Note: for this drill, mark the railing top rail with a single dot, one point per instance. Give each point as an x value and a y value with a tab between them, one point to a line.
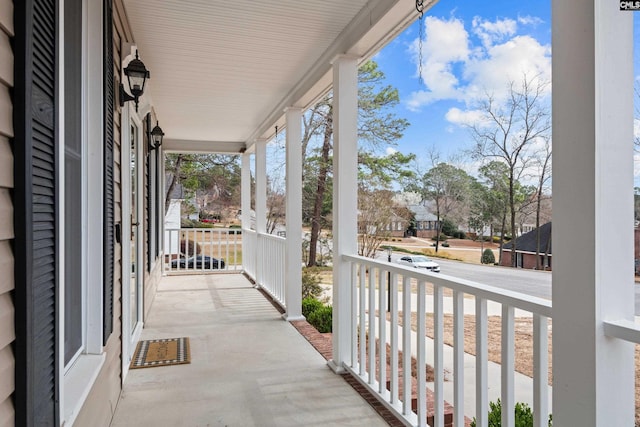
627	330
216	229
511	298
272	237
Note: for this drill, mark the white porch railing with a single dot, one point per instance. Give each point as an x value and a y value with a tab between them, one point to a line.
249	251
271	266
368	275
203	250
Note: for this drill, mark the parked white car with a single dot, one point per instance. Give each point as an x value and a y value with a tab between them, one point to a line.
420	261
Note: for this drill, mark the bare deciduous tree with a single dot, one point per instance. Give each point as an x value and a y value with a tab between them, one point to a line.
509	131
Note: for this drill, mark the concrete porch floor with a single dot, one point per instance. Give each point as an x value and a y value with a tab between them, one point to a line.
248	366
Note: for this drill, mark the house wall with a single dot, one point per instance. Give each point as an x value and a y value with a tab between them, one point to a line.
528	260
101	403
7	329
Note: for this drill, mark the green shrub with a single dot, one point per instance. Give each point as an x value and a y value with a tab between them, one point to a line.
310	284
445	244
443	237
321	319
448	227
459	234
488	257
309	305
523	415
186	223
496	239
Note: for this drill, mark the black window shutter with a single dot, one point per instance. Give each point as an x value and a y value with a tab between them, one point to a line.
36	207
148	193
109	210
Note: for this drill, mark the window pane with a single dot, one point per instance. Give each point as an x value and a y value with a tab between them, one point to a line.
73	321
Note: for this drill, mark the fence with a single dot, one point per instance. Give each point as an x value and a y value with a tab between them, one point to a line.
203	250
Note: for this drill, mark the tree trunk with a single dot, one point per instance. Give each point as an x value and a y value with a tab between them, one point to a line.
172	184
503	226
321	189
512	208
538	207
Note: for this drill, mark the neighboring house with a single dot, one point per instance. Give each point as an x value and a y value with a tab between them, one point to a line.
172	221
526	249
397	227
426	222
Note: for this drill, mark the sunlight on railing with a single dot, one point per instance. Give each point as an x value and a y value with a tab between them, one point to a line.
445	313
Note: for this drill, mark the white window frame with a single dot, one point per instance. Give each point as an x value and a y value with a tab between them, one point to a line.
79	376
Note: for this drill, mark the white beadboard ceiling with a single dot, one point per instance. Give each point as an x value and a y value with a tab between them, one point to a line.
223	71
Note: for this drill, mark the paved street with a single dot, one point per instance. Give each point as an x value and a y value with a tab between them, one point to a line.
530	282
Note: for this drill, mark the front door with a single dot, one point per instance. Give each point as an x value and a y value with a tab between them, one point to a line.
132	269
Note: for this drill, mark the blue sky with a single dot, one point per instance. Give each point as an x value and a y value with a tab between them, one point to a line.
467	50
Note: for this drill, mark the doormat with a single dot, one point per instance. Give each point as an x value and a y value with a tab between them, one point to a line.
162	352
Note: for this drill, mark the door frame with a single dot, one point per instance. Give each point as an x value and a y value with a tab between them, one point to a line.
130	336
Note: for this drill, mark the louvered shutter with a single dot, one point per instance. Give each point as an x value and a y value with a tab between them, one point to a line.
109	210
34	143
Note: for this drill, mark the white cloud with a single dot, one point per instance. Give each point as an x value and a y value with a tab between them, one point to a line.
391	151
530	20
454	68
515	58
446	42
491	32
463	118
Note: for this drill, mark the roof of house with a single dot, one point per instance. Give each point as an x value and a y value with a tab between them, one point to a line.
527	242
422	212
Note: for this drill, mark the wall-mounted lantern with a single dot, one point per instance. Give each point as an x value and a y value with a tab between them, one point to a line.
156	137
137	75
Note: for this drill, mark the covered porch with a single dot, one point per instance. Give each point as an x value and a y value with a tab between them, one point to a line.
248	367
222	106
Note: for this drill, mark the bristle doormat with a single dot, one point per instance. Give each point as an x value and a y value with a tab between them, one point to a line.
162	352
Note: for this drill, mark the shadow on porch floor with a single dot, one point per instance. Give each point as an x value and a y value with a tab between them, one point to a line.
248	366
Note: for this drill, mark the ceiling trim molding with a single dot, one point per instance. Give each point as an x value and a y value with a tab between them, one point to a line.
205	147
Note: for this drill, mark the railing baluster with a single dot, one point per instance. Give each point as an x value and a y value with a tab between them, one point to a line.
421	355
482	401
362	299
372	324
458	358
406	344
393	357
382	338
507	366
438	338
354	314
540	371
397	398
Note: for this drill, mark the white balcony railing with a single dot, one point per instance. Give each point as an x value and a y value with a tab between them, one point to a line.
203	250
271	266
249	251
425	293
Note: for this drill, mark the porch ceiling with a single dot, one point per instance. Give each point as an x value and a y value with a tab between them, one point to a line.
223	71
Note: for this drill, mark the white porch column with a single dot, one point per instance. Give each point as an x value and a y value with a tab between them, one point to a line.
345	201
293	257
260	205
261	186
593	375
245	199
245	190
